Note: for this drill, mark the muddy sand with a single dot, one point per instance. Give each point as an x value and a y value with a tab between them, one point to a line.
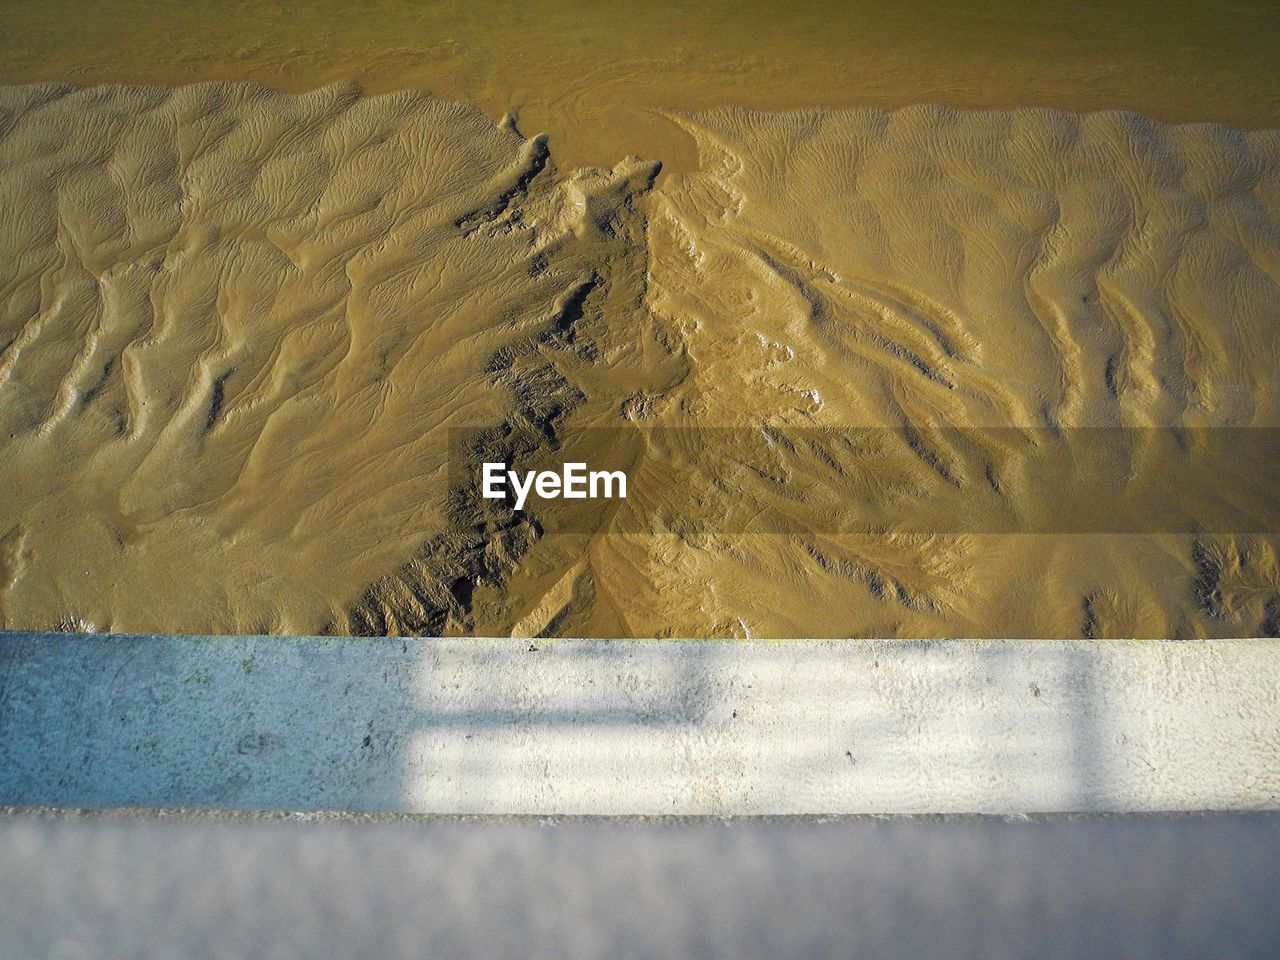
251	340
275	281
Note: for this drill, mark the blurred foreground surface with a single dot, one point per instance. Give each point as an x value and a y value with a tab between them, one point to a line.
200	886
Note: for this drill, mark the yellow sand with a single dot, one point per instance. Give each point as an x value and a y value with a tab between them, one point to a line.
239	325
936	268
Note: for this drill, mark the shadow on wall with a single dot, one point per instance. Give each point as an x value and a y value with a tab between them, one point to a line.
311	723
636	727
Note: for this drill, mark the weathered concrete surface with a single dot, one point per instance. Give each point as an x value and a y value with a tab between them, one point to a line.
639	727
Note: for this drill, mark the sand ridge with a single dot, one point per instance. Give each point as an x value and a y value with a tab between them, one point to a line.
237	328
239	325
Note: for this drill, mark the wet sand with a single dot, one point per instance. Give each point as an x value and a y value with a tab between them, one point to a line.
240	328
597	76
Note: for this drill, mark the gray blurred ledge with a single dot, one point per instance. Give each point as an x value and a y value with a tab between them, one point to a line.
499	726
212	886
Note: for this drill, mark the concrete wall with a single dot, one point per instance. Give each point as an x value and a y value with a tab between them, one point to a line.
639	727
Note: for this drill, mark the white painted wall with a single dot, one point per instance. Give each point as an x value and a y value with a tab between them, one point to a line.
639	727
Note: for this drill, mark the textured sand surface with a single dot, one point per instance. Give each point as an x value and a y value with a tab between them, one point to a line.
927	267
238	326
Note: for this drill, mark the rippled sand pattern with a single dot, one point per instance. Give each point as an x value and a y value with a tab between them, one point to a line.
238	327
922	266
